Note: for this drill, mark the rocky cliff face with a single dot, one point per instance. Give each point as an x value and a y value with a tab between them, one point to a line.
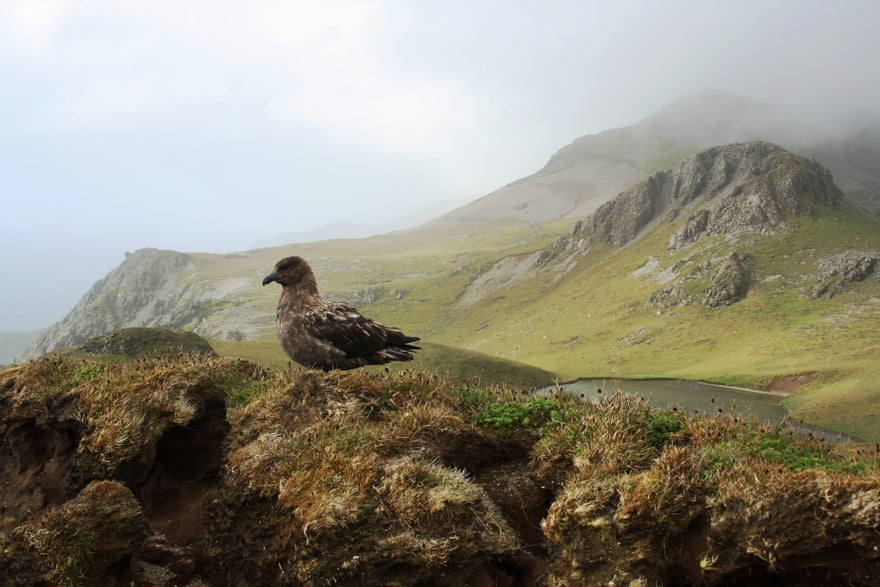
744	187
150	288
729	191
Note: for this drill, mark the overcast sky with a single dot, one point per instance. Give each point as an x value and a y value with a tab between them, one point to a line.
208	125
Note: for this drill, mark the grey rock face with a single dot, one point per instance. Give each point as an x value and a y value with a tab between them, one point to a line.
729	278
730	282
835	271
152	288
744	187
621	219
670	296
130	291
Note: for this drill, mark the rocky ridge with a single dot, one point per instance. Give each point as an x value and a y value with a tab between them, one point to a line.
743	187
593	169
154	288
724	191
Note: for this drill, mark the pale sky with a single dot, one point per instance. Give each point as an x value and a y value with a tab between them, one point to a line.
208	125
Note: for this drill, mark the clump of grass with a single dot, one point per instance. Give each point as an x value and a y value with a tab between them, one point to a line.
66	549
412	486
138	342
346	453
80	538
617	433
774	448
46	377
125	406
243	381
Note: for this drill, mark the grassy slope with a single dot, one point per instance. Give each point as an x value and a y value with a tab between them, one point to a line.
593	321
576	327
429	267
450	362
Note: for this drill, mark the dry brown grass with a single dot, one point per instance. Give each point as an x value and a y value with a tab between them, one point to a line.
345	475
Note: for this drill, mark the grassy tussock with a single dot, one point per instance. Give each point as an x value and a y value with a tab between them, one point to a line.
323	441
638	477
346	453
343	475
101	524
126	406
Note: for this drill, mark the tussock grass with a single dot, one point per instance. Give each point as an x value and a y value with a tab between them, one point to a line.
124	406
343	475
96	526
344	452
638	480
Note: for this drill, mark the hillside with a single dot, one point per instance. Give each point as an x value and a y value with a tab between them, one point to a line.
744	264
591	170
193	470
694	273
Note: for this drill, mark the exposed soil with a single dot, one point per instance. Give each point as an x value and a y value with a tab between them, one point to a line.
36	466
790	384
188	459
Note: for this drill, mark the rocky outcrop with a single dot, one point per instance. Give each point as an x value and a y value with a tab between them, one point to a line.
152	288
729	283
621	219
670	296
129	295
744	187
836	271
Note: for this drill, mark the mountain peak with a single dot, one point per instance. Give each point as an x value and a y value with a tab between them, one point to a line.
592	169
742	187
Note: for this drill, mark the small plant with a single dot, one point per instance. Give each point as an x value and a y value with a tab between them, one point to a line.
88	372
471	398
707	563
530	413
662	426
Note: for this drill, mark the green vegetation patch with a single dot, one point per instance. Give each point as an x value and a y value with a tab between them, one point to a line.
138	342
529	414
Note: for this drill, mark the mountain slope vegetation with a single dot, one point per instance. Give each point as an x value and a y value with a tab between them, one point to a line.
744	264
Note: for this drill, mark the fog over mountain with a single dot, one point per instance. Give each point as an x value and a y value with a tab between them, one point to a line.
592	169
210	126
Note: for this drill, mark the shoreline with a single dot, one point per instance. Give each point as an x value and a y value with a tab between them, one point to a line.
783	417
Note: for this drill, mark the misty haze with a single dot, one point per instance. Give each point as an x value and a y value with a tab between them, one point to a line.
634	250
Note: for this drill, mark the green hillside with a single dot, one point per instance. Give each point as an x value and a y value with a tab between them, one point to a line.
584	315
525	303
594	321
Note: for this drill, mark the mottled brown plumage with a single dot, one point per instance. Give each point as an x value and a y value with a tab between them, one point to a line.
329	335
